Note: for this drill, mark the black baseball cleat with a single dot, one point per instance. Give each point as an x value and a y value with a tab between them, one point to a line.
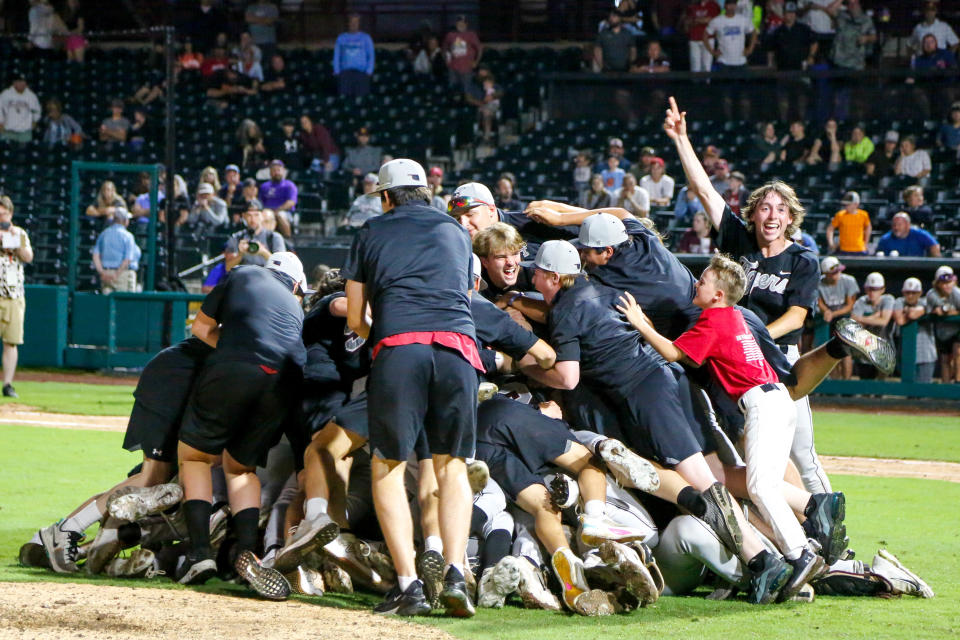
825	514
806	568
411	602
33	555
721	518
772	574
430	565
9	391
865	345
454	596
195	569
268	583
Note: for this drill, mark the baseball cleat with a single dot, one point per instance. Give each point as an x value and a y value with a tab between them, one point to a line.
824	523
141	563
720	517
805	594
104	548
61	547
569	571
498	581
268	583
486	390
901	580
305	581
767	582
454	596
478	475
404	603
594	531
807	567
595	602
310	535
132	503
33	555
629	469
866	346
430	566
195	570
335	577
564	490
636	576
532	588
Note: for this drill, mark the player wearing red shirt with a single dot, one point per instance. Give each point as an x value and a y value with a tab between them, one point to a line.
721	339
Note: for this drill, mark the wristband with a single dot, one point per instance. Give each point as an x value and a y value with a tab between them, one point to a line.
513	296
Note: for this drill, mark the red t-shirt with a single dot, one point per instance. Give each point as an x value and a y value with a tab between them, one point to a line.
460	343
704	9
722	339
464	48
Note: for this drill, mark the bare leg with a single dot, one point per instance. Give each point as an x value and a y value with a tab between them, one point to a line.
243	485
592	480
429	499
811	369
393	512
535	500
455	506
9	362
322	477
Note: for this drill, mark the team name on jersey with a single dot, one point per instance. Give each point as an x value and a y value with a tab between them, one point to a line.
769	281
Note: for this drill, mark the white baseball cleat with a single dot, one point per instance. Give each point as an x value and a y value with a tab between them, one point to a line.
132	503
901	579
628	468
498	581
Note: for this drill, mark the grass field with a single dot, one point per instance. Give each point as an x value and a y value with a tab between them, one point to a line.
44	473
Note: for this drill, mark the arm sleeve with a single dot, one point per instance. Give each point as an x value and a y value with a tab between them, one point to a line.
497	329
336	57
277	243
802	289
565	336
697	342
353	267
835	223
371	56
732	235
294	193
211	304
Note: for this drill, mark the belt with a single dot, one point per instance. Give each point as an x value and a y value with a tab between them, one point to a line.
769	386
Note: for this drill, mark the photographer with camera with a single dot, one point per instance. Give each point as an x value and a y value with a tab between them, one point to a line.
254	244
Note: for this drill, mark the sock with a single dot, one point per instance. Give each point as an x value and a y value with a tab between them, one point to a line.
433	543
755	564
404	582
496	546
811	505
129	534
336	547
36	538
197	513
458	567
793	554
836	348
246	527
83	519
691	500
594	508
107	535
314	507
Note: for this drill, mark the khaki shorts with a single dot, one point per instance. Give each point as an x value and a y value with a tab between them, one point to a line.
125	281
11	320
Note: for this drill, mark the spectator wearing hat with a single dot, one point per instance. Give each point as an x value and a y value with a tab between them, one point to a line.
366	206
353	59
19	111
362	158
853	226
943	301
736	193
231	190
904	240
254	244
920	213
116	256
463	52
208	210
658	184
286	145
911	307
615	149
881	162
837	293
435	181
116	127
280	194
249	192
874	310
317	145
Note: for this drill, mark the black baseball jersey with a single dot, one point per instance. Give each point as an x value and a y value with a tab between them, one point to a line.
662	286
774	284
260	318
495	328
335	353
535	233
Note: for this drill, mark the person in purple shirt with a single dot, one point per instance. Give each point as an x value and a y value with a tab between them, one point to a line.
280	194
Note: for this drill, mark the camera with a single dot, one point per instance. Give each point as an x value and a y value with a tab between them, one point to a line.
253	247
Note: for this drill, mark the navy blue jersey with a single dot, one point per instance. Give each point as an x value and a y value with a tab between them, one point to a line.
535	233
663	287
260	318
585	326
774	284
495	328
335	353
417	265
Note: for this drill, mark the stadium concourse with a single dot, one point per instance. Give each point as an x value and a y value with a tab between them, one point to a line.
511	384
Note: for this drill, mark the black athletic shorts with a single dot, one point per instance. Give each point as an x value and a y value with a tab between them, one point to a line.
152	432
320	404
418	388
352	415
518	443
239	407
584	408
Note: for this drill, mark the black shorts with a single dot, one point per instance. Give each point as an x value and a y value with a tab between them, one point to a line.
320	404
352	416
153	433
422	387
654	420
584	408
238	407
518	443
165	383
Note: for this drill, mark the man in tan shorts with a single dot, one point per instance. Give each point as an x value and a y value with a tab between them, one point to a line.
15	250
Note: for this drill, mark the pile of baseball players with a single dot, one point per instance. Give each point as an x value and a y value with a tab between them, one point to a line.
482	404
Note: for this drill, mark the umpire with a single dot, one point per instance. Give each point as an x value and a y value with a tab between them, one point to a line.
253	320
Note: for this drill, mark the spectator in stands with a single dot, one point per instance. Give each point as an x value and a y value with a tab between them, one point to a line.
687	206
206	23
634	199
873	310
216	60
61	128
280	194
816	15
484	93
948	136
74	20
932	89
615	48
726	38
116	256
140	129
766	147
905	240
253	150
435	181
791	47
912	163
853	226
642	166
249	194
274	77
654	60
261	18
253	244
943	301
116	127
697	238
317	146
353	59
286	145
837	293
721	176
181	201
108	201
711	158
826	149
208	210
736	193
43	25
231	191
854	32
19	111
911	308
247	44
210	176
581	173
226	85
631	17
615	148
658	184
463	52
613	175
189	60
364	206
920	213
944	33
504	197
931	56
795	146
698	15
363	158
596	196
430	61
859	147
249	66
16	251
882	161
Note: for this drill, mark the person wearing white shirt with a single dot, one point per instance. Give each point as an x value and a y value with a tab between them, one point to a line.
634	199
19	111
657	184
912	162
816	15
730	32
946	36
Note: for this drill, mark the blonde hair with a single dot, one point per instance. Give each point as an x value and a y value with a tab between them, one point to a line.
567	280
789	197
730	276
6	203
909	191
210	172
498	237
101	201
652	227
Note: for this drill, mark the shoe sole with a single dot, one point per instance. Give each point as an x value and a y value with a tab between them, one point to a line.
505	579
637	577
560	491
838	542
478	475
268	583
565	572
882	355
132	503
778	584
457	603
199	573
291	556
430	567
302	584
629	468
485	391
595	603
797	580
734	537
140	564
98	558
33	555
